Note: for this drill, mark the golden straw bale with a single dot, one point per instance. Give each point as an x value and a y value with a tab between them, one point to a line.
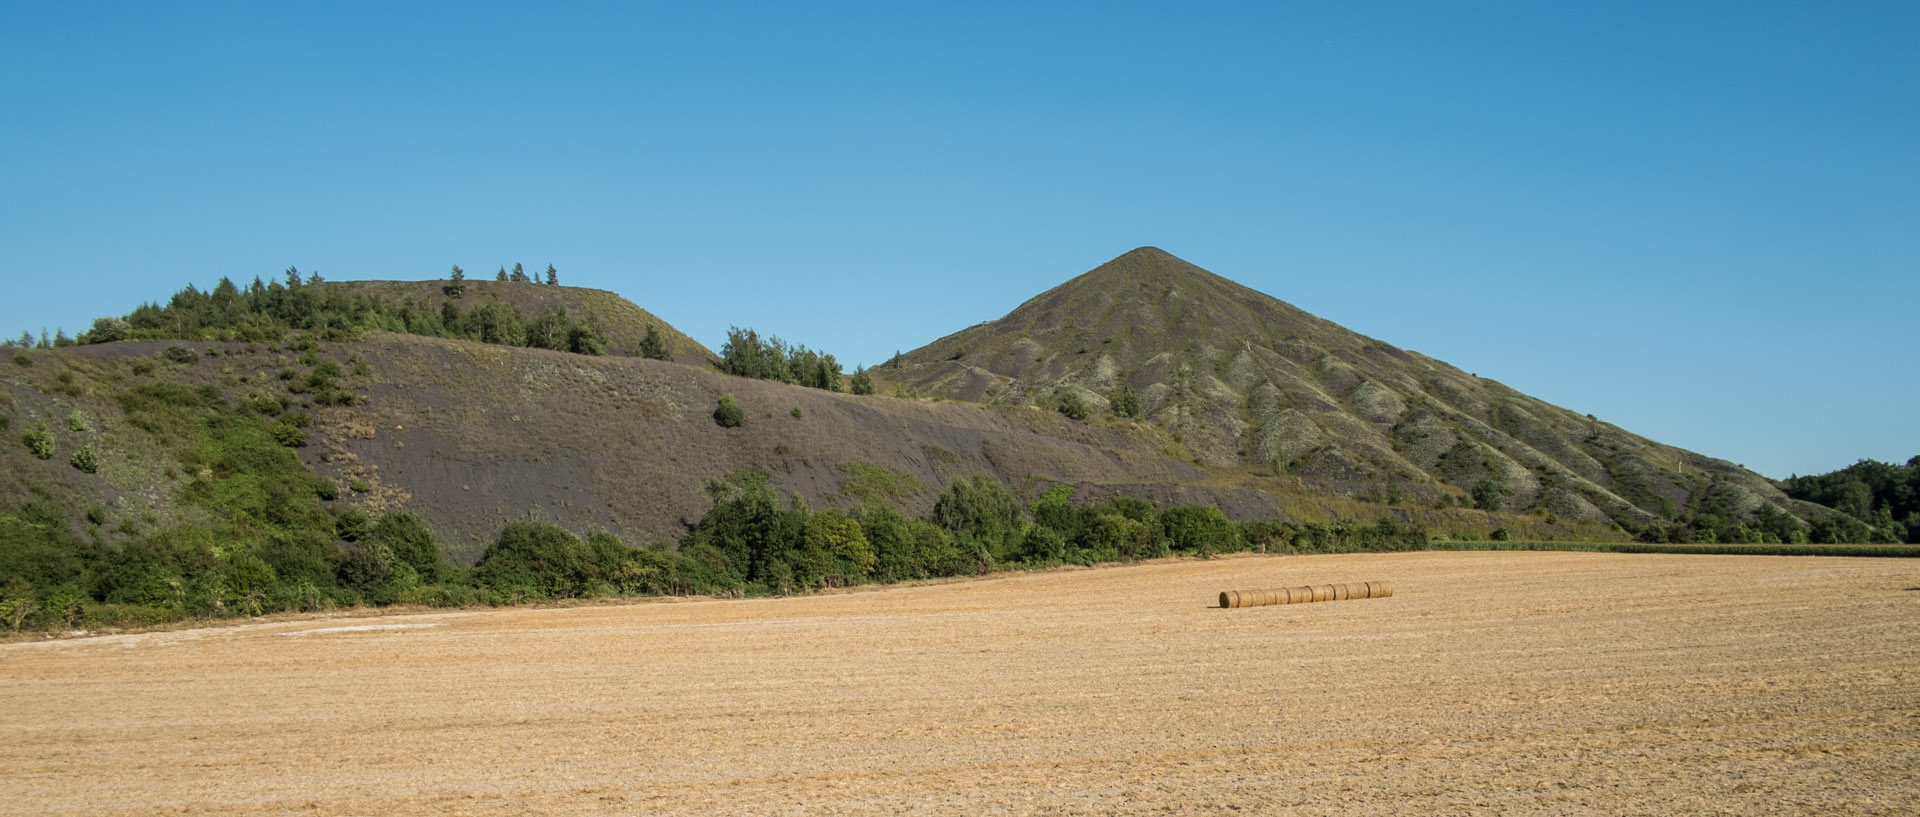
1234	599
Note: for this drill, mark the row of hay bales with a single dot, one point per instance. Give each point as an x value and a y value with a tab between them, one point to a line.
1301	595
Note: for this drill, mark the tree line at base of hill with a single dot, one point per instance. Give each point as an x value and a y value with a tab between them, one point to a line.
277	544
1881	500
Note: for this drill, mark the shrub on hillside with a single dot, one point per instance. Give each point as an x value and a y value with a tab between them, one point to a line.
1491	494
289	434
728	413
407	536
1072	406
39	441
352	525
86	459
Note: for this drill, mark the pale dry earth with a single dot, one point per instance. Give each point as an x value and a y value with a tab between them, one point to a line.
1490	683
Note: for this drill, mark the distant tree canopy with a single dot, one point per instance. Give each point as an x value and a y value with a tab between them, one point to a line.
1873	503
1881	496
265	312
748	355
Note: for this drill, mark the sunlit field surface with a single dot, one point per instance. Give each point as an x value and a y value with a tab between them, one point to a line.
1490	683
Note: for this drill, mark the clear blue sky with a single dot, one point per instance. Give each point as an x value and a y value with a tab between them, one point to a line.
1698	221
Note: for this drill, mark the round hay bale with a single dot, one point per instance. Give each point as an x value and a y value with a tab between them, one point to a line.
1323	592
1299	595
1379	590
1229	599
1265	598
1340	592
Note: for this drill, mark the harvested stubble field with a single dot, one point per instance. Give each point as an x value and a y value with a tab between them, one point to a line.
1491	683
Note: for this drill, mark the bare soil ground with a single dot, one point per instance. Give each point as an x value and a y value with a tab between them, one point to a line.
1491	683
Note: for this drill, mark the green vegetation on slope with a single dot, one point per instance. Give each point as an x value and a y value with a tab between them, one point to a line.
746	354
1243	380
259	532
1880	501
542	316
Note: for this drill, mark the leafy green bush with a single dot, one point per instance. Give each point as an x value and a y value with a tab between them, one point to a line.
367	566
410	541
985	513
39	441
1501	535
1072	406
906	548
289	435
729	414
531	561
1199	529
352	525
1491	493
1042	545
86	459
179	354
834	552
1125	402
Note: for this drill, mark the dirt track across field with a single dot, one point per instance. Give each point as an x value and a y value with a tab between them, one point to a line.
1490	683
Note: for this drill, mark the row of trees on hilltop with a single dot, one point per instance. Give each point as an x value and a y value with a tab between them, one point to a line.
747	354
267	311
457	278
